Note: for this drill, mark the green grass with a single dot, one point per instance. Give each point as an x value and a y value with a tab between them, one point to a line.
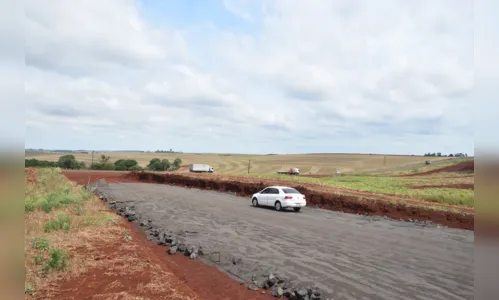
391	185
28	290
38	259
62	222
57	207
57	261
39	243
51	192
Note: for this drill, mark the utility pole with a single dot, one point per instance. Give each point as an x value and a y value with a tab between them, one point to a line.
249	165
92	164
384	161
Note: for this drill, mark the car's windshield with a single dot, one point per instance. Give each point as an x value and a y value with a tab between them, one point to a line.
290	191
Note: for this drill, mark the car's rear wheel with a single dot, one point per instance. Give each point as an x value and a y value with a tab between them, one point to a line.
255	202
278	206
297	209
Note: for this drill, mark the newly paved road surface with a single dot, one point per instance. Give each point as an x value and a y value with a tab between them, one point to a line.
345	255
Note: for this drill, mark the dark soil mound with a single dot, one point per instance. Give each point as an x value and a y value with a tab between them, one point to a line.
467	166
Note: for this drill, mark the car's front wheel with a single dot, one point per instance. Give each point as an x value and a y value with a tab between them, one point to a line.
297	209
255	202
278	206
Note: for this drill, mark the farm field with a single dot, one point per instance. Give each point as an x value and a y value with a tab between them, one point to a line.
456	188
235	164
77	248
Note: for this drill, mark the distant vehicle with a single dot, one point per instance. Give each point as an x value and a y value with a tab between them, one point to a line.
201	168
291	171
280	197
427	162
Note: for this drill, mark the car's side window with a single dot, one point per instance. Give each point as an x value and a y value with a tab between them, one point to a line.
274	191
265	191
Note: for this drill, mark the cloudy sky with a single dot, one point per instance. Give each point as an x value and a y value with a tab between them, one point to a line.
248	76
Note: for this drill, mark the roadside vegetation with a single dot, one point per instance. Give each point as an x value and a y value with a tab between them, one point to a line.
69	233
55	222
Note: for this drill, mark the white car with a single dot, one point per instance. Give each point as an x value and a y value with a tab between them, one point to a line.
280	197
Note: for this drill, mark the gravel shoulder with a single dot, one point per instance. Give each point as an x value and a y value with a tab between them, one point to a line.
346	256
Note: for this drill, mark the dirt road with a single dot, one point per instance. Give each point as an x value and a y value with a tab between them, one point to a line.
346	256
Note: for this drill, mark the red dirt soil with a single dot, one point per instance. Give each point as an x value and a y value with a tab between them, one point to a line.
30	175
345	200
463	186
467	166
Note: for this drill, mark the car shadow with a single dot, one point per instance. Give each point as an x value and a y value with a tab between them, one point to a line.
287	210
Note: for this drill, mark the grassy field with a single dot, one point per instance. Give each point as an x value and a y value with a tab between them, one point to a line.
266	164
69	234
399	186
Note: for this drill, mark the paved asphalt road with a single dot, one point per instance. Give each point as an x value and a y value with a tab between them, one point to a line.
345	255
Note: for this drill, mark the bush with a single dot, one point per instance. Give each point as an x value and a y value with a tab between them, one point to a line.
135	168
40	244
57	261
35	163
62	222
177	163
124	165
102	166
38	259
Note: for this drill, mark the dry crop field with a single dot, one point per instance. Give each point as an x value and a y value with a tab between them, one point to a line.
237	164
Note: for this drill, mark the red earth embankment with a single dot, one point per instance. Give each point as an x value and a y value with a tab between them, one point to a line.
331	201
86	177
467	166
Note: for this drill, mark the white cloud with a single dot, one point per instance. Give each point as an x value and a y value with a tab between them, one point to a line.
384	76
235	8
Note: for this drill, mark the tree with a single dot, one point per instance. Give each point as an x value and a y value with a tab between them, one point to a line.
104	159
120	165
153	161
123	165
156	164
130	163
135	168
69	161
177	162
